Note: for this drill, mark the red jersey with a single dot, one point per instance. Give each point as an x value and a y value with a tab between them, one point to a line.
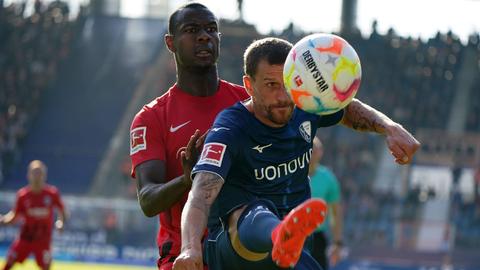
37	210
165	125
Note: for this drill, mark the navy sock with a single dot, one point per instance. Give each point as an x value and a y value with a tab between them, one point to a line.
256	224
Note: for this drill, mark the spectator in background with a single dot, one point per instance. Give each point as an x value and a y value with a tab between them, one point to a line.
35	204
31	49
324	185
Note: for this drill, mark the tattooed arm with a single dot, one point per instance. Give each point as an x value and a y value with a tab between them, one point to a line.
362	117
205	189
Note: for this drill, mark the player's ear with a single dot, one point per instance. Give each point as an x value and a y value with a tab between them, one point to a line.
169	42
247	82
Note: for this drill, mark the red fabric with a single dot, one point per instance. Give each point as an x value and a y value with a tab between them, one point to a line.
37	210
165	125
20	250
164	265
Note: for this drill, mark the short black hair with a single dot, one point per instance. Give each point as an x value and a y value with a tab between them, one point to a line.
172	20
274	50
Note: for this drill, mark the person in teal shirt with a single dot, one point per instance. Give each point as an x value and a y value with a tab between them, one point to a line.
325	185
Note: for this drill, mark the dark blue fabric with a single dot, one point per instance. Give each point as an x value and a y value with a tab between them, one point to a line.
219	255
258	161
255	226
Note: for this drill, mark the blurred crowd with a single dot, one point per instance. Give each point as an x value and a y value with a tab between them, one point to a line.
414	82
473	119
32	48
411	80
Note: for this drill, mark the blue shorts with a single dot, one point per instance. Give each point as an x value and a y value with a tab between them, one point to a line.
220	255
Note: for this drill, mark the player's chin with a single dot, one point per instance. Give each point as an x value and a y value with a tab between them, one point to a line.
282	116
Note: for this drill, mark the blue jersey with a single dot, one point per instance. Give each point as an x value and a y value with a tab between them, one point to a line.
258	161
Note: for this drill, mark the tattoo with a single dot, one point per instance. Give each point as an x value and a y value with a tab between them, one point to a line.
362	117
205	189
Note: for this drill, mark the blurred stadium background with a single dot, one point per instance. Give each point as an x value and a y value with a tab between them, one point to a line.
73	74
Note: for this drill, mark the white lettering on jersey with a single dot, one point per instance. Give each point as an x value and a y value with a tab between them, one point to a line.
283	169
38	212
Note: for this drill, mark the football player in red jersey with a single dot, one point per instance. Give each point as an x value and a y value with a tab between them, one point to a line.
35	205
164	126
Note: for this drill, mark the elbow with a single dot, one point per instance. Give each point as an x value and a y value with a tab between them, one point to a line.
148	208
148	212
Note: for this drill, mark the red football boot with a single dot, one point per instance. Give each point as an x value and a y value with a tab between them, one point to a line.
289	236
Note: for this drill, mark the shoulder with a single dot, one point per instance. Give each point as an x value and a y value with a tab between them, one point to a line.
324	170
229	126
23	192
321	120
321	171
328	173
159	104
232	86
151	113
331	119
51	189
153	107
234	89
307	121
234	116
305	115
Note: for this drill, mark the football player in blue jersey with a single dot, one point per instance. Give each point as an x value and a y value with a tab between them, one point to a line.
251	180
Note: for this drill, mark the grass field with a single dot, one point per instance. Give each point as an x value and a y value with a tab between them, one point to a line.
57	265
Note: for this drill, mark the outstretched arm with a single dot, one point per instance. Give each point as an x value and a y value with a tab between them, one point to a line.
362	117
205	189
9	218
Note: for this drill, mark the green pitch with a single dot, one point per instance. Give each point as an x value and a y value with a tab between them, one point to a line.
57	265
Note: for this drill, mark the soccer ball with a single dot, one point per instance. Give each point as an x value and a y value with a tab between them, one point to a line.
322	73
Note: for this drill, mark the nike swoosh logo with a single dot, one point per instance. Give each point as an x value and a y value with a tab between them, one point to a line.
174	129
219	128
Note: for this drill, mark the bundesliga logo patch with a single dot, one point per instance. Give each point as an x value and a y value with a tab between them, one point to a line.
137	139
298	81
212	154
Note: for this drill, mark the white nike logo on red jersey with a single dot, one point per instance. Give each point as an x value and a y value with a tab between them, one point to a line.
173	129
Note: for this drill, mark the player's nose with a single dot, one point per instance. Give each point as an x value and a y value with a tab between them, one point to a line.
203	35
282	94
